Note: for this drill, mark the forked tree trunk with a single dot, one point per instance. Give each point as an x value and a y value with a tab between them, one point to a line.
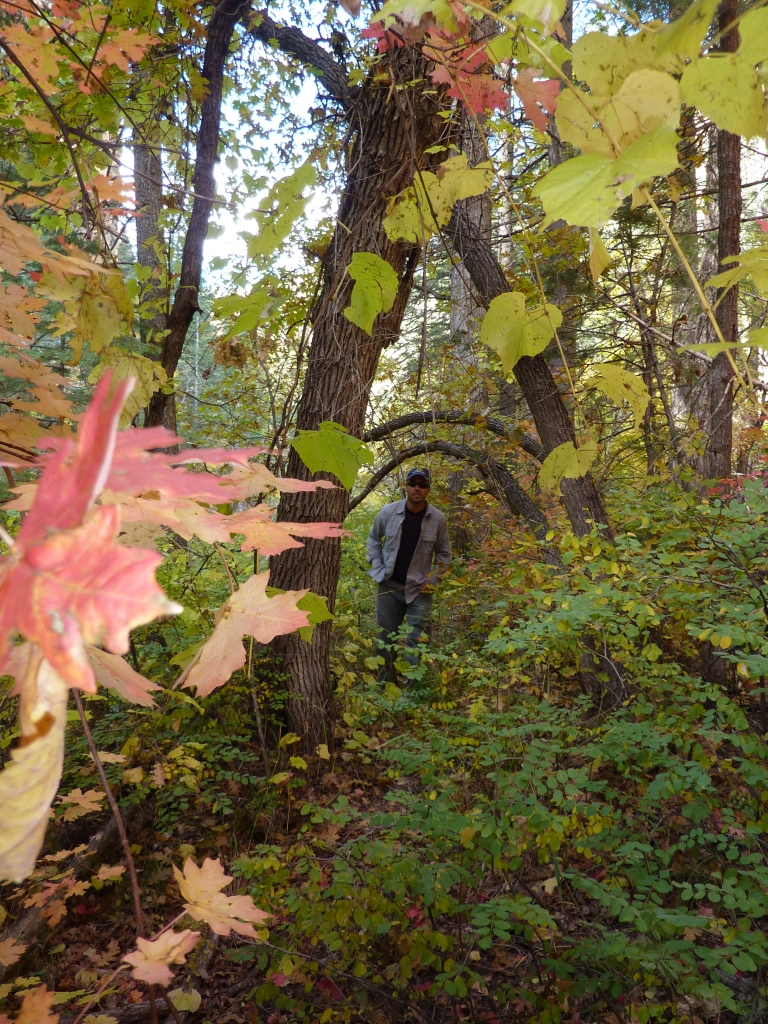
720	440
394	125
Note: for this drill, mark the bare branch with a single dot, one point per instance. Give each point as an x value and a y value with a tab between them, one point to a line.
293	42
495	425
496	478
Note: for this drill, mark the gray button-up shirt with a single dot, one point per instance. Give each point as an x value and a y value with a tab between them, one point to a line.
384	543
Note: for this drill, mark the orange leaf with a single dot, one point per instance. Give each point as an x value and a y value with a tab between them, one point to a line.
537	96
10	952
248	612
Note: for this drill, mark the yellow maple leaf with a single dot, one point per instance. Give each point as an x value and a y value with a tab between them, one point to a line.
201	887
82	803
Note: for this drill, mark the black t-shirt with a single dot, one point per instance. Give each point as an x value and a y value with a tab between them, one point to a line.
408	541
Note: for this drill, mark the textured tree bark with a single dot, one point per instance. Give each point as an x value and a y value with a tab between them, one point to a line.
553	422
148	172
393	126
720	432
185	303
466	310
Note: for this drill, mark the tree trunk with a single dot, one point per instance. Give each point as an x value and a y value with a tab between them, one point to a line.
720	439
466	310
162	408
148	172
553	422
394	125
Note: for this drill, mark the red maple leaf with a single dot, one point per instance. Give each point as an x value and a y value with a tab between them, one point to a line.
464	70
537	95
66	582
137	469
384	39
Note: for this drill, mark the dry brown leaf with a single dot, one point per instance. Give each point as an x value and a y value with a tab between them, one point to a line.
107	758
152	958
54	912
82	803
106	872
201	887
10	952
63	854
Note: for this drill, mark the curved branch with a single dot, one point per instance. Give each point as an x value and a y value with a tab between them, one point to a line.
495	425
293	42
497	480
185	302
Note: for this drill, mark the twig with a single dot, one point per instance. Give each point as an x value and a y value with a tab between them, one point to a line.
257	712
220	553
171	1007
118	817
104	985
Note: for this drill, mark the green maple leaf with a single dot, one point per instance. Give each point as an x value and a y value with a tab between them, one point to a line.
513	331
330	449
374	292
566	462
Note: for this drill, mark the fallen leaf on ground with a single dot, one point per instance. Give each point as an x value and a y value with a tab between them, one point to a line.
82	803
36	1008
106	871
10	952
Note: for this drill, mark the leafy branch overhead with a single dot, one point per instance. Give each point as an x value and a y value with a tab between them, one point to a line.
374	291
330	449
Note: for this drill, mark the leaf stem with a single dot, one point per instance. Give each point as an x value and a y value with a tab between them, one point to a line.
171	1007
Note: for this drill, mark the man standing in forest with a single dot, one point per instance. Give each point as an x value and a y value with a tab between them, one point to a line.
401	544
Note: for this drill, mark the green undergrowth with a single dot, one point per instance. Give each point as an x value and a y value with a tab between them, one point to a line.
560	815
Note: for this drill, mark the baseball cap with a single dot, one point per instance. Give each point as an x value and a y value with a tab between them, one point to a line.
413	473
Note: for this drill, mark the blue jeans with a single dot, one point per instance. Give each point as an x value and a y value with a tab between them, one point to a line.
391	610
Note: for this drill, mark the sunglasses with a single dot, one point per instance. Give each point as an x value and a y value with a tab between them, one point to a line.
418	482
